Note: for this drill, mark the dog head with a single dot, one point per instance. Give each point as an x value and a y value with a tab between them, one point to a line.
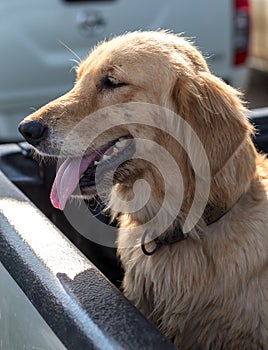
123	92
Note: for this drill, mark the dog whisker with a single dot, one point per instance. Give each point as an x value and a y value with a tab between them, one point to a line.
72	51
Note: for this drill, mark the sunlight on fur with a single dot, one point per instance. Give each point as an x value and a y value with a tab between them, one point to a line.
210	290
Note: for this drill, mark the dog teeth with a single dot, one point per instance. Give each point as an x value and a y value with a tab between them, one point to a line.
105	157
121	144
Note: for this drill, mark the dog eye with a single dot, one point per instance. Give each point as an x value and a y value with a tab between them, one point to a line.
110	82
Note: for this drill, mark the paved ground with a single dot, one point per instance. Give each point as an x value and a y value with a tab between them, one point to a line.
257	92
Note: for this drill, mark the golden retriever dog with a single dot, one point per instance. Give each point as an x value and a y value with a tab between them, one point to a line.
205	287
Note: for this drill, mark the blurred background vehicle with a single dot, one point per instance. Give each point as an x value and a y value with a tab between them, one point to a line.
257	89
40	42
259	35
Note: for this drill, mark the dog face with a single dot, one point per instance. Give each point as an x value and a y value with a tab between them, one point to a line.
119	78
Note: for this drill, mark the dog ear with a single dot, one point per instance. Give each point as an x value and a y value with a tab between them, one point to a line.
215	112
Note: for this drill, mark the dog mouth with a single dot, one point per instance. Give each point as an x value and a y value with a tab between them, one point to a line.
80	172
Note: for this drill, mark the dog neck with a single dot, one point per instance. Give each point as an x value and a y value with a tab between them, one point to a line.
211	215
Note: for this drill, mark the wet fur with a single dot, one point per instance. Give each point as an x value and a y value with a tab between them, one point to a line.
211	290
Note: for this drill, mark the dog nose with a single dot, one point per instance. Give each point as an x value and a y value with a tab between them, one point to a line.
33	132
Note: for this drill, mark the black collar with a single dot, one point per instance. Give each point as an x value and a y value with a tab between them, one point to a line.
211	215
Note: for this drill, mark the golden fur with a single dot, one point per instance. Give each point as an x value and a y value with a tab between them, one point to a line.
211	290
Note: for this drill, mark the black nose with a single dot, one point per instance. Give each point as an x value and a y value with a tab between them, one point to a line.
33	132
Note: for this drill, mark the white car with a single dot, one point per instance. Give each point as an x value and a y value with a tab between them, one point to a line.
259	42
35	62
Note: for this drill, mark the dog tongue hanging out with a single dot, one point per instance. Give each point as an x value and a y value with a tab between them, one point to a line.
66	181
80	171
209	291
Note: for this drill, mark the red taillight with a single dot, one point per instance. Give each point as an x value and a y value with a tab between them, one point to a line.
241	31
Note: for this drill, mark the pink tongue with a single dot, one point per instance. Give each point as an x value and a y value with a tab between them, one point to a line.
67	179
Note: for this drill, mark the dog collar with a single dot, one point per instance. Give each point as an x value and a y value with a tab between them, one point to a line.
211	215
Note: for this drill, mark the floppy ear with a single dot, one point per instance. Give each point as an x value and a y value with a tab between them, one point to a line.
215	112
